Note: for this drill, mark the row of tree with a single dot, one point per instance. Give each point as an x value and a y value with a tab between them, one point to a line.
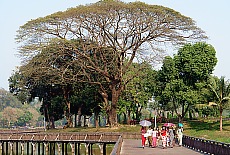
99	57
171	87
185	81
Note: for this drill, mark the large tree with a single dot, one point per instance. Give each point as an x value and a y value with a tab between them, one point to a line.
195	62
138	91
183	79
130	30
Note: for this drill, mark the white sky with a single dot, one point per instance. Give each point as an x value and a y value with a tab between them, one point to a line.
211	16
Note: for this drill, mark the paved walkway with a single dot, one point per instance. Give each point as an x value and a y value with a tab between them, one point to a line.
133	147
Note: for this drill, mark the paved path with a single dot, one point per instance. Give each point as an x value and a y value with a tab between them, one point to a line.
133	147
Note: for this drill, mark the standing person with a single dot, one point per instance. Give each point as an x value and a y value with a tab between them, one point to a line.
164	137
143	139
149	133
175	136
171	137
158	136
180	135
154	137
167	137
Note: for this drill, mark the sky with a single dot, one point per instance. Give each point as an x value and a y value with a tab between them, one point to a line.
210	16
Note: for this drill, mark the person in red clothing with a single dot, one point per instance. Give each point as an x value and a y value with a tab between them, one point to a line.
164	136
143	138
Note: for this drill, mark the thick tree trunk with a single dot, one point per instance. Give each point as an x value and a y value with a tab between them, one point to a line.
190	115
125	119
108	119
47	116
119	118
106	106
96	122
138	113
52	126
99	120
84	121
113	111
79	116
184	112
129	117
180	119
75	120
68	114
113	116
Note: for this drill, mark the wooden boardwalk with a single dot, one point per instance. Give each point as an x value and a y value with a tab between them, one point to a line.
133	147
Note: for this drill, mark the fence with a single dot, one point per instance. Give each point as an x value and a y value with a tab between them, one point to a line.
206	146
48	143
117	147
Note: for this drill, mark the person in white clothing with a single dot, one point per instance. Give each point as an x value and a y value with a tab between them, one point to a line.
150	132
180	135
154	138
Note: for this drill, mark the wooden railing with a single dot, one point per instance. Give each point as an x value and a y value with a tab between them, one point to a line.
206	146
73	136
117	147
131	135
40	143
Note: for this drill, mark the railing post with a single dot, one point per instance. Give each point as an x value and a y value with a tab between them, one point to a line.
104	148
89	151
16	147
63	147
38	143
43	148
78	148
75	148
91	148
27	148
6	147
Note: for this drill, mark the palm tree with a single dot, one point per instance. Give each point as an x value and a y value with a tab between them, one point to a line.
221	90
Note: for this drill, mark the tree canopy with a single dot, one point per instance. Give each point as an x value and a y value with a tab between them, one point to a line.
183	79
130	31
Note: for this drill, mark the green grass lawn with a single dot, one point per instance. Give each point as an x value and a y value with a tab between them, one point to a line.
208	129
205	129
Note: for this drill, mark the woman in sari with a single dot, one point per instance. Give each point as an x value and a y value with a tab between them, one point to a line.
143	138
164	137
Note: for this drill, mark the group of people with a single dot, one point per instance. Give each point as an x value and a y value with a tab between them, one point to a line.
167	135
